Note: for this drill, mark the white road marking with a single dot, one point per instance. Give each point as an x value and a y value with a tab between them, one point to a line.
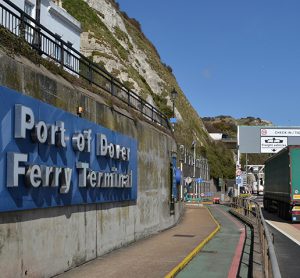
284	233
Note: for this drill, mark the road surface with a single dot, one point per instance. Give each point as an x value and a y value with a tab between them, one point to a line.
286	243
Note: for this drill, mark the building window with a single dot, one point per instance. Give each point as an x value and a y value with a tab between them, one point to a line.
57	2
28	8
56	52
68	56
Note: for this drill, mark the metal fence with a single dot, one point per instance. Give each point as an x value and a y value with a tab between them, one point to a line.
252	211
52	47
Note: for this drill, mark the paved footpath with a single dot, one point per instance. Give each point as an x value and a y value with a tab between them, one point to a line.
221	256
155	256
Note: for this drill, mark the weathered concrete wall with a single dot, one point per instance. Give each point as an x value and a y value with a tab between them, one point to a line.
45	242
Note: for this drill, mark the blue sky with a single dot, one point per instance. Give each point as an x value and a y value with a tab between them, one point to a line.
230	57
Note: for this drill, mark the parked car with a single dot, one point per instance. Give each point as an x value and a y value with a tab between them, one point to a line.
216	200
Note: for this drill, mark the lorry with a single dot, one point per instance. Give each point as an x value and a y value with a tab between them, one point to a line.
259	186
255	178
282	183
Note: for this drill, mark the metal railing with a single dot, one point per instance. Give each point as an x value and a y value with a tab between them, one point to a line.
52	47
253	212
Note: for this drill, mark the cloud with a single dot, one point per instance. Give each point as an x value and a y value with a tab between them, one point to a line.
206	73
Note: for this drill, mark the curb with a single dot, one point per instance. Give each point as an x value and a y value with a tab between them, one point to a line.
196	250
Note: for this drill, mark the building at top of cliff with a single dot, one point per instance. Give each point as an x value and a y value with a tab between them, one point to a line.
53	17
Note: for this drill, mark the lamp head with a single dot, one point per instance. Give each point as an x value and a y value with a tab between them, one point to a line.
174	94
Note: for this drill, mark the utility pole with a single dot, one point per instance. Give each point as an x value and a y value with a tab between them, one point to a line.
194	145
238	166
248	186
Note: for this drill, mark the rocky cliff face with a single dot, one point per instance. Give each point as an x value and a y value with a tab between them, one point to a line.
115	41
137	59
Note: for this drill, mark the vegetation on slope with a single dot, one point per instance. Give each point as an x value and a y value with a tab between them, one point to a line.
228	125
191	127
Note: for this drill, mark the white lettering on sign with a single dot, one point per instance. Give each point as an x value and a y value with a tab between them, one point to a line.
35	175
91	178
103	148
40	132
272	144
280	132
14	169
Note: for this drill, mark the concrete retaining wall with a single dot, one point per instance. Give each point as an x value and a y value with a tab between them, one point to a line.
46	242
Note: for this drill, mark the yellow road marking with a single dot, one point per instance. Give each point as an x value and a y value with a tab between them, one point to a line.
196	250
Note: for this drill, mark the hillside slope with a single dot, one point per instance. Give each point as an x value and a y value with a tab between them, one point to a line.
116	42
228	125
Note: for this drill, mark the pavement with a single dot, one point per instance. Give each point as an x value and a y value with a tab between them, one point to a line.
221	256
159	254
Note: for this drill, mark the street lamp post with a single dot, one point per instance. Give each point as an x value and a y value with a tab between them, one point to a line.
174	95
194	172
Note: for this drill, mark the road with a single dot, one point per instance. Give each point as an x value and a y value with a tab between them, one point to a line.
286	243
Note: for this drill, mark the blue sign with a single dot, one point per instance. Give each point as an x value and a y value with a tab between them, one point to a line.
49	157
174	179
173	120
238	180
178	176
199	180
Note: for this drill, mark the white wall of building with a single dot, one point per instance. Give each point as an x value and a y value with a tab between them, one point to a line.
216	136
56	19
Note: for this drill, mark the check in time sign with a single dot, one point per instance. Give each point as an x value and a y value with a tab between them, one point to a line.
50	157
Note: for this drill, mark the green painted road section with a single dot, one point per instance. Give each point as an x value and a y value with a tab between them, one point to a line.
215	259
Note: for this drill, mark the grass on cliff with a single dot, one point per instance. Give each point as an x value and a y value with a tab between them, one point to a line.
191	128
91	21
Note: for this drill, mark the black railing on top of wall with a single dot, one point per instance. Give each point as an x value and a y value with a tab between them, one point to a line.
54	48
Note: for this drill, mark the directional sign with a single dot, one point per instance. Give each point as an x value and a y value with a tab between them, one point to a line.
272	144
249	137
173	120
291	132
238	180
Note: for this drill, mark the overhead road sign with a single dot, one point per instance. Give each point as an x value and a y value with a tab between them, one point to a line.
272	144
266	139
291	132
